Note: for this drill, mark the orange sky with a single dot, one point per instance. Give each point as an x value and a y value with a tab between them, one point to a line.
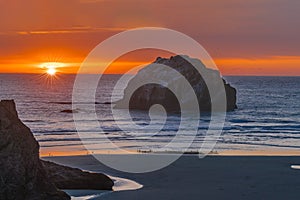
259	37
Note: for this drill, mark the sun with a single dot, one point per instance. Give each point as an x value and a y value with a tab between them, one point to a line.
51	68
51	71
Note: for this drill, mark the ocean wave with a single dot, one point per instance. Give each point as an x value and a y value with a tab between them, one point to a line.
266	127
254	132
70	102
62	145
58	134
265	136
33	120
54	131
241	121
262	144
59	140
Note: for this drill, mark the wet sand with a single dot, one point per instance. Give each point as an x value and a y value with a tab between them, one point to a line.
214	177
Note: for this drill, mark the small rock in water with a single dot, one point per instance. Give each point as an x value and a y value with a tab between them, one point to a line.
69	111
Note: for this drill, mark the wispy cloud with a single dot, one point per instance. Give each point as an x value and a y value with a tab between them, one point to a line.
64	31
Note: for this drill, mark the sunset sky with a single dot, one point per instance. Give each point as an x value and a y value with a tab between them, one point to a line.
258	37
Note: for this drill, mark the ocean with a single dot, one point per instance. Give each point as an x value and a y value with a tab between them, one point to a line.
268	116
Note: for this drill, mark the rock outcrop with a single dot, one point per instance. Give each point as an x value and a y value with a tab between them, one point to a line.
23	176
71	178
149	94
21	172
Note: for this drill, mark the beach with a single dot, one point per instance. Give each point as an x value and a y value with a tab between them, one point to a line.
214	177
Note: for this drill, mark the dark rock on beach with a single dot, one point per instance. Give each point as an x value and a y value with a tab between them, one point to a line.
149	94
71	178
23	176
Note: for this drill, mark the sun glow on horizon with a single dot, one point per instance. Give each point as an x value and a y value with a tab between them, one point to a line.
51	67
51	71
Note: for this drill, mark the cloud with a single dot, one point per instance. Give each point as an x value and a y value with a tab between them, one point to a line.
74	30
64	31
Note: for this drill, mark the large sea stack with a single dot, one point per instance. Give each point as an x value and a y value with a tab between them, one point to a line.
149	94
23	176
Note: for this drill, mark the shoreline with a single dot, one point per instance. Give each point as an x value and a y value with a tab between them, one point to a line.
120	183
260	152
213	177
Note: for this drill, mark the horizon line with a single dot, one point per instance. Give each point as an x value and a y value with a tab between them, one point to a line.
234	75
